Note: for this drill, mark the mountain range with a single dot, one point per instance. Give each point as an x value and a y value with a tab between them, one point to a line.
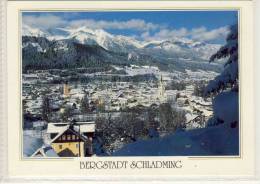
84	47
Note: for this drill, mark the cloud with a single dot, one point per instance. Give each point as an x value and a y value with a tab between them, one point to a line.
164	34
135	24
202	34
147	30
199	34
44	21
47	21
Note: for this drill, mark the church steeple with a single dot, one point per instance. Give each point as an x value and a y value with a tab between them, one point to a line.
66	89
161	89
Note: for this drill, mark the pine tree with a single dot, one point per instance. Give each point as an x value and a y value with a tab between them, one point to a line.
229	77
225	86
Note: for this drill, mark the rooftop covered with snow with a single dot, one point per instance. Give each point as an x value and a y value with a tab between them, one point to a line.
85	127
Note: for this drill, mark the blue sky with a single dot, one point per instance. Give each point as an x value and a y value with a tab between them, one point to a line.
207	26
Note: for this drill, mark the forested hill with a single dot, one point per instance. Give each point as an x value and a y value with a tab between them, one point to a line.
40	53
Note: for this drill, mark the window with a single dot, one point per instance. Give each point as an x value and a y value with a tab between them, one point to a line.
60	146
64	137
73	137
77	145
69	137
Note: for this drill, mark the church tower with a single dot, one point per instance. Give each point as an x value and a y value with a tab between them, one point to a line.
66	89
161	90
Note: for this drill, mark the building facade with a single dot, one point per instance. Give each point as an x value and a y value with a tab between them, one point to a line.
72	140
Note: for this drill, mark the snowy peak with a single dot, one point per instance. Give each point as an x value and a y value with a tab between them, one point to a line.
166	49
84	35
106	40
29	31
182	47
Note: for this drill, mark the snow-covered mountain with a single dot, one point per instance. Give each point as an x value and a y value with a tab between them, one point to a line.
177	51
29	31
88	36
182	48
174	47
106	40
170	48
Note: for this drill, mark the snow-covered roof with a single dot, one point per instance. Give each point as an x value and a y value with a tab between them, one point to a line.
59	134
85	127
190	117
50	152
71	130
57	127
45	151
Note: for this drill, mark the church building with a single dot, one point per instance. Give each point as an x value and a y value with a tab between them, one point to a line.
161	91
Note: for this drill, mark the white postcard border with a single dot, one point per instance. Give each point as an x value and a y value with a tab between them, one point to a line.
209	167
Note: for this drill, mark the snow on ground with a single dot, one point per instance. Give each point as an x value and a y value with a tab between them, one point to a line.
201	74
225	106
136	70
217	140
167	76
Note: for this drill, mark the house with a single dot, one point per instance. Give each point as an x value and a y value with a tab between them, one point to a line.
72	139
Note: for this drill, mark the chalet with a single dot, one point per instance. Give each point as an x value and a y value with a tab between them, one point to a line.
72	139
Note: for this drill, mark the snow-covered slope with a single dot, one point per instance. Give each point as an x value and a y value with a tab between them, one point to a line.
211	141
226	106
